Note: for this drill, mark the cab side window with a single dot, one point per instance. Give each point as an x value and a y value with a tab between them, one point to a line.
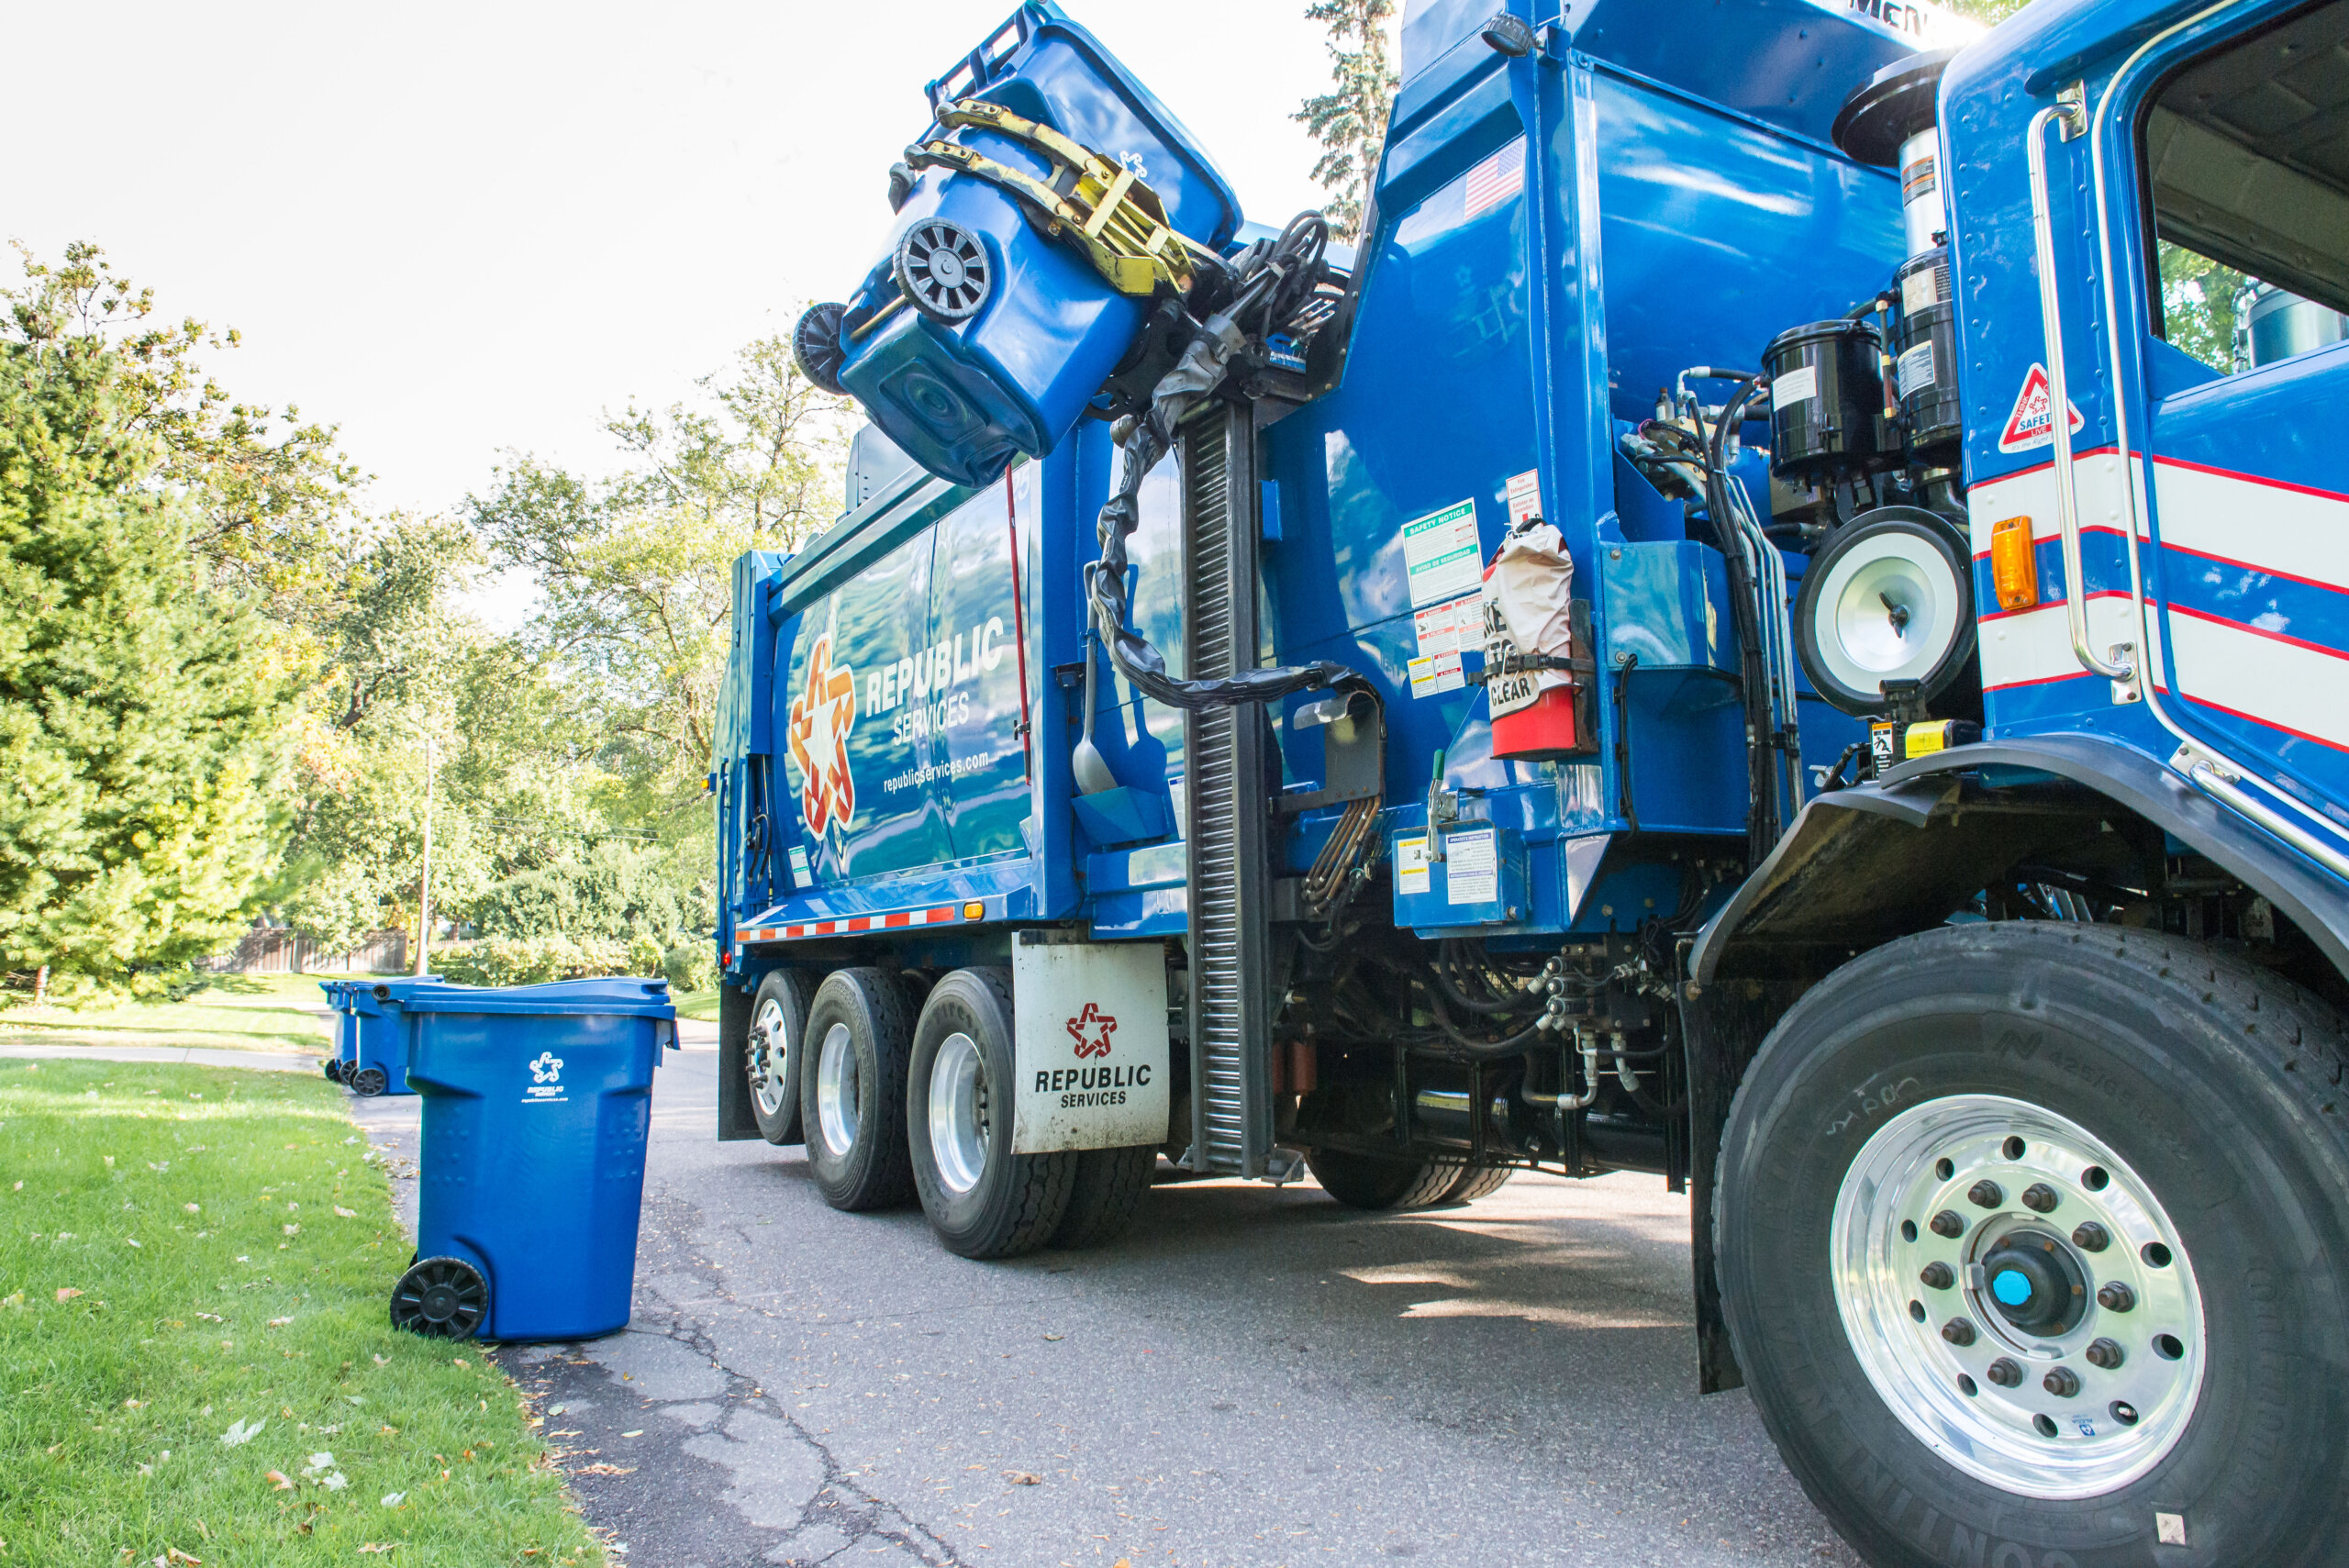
2246	158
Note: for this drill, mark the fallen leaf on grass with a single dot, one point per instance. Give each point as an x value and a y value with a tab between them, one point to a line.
292	1230
174	1555
382	1546
318	1462
345	1213
66	1293
279	1322
393	1499
242	1432
281	1481
212	1317
13	1298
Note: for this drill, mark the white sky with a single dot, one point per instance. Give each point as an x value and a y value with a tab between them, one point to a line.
454	228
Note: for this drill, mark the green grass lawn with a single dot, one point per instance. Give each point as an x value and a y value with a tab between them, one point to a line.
702	1005
187	1254
255	1012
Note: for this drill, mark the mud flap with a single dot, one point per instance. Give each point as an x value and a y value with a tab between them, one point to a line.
736	1121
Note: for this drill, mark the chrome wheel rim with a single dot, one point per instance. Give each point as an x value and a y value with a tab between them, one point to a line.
770	1057
836	1085
958	1122
1986	1364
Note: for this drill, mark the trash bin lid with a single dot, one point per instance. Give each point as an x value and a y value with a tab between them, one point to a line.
644	998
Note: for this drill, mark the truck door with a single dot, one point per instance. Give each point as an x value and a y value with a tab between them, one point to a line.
2244	256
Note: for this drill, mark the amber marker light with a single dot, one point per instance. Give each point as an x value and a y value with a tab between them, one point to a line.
975	911
2014	564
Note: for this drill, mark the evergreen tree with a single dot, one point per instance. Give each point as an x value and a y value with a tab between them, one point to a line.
1350	122
144	707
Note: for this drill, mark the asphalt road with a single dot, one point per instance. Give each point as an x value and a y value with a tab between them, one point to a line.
1252	1378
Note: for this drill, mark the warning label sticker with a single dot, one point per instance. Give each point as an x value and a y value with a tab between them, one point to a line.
1436	673
1471	868
1524	498
1448	628
1797	385
1411	864
2028	426
1505	693
1440	555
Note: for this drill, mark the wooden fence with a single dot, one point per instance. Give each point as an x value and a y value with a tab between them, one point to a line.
273	949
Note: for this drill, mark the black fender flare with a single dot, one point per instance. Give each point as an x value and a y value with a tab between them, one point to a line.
1865	864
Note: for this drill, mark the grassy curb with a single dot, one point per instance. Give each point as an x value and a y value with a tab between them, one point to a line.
258	1012
185	1251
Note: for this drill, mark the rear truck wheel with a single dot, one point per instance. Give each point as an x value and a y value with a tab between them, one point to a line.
778	1025
2034	1249
1104	1194
1474	1184
1366	1181
368	1081
851	1086
442	1298
983	1200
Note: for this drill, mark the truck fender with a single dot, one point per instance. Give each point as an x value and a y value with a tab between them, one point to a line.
1863	866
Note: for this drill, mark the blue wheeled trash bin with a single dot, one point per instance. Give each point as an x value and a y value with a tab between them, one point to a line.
1051	202
537	1103
372	1035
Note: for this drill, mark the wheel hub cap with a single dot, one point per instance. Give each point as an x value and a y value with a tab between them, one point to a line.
2051	1343
770	1058
958	1120
836	1090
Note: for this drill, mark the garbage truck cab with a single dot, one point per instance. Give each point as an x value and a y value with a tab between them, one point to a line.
1773	620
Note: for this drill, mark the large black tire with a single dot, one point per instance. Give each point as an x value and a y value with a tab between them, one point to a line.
984	1201
2217	1084
1365	1181
1476	1183
1105	1192
858	1151
778	1028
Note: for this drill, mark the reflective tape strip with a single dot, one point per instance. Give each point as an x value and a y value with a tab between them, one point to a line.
850	927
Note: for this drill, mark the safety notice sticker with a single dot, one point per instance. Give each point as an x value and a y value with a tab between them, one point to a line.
2029	425
1524	498
1471	868
1436	673
1450	627
1441	554
1411	864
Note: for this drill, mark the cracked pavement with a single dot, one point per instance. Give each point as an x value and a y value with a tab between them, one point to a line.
1252	1377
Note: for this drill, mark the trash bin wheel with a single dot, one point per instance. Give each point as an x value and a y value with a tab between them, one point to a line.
442	1298
369	1081
983	1200
778	1027
816	344
852	1090
944	270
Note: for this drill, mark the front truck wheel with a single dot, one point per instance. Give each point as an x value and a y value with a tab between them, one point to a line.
982	1199
852	1089
778	1030
2034	1248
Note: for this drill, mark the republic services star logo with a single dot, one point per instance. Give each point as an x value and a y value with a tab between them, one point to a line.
1091	1030
821	716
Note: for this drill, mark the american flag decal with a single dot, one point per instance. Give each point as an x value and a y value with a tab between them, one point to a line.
1496	179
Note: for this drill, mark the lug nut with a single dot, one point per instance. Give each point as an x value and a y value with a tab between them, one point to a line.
2040	1198
2004	1373
1958	1332
2105	1353
1948	1223
2114	1297
1987	1194
2063	1383
1938	1276
2091	1237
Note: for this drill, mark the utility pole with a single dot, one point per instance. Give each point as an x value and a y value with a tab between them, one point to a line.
424	890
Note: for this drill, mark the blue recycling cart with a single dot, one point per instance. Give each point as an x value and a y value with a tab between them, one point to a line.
371	1036
537	1103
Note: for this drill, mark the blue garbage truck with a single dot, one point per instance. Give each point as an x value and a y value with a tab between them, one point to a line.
1778	617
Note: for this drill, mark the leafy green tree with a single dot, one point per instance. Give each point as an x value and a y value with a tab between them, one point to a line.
1349	121
635	573
145	708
